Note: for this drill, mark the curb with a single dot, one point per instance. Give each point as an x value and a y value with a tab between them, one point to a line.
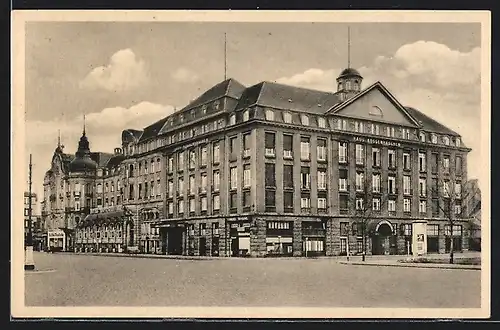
143	256
414	265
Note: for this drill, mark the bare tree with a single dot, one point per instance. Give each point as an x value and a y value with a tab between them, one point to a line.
453	204
367	202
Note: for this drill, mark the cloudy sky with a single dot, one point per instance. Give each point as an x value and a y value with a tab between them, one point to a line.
128	75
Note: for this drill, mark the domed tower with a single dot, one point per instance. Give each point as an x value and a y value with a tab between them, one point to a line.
349	80
82	161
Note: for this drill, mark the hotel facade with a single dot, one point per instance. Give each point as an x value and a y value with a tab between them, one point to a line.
273	170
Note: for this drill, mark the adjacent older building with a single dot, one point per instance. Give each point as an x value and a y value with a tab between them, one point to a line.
272	170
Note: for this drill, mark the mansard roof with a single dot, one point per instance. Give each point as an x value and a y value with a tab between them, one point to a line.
229	87
274	95
101	158
430	124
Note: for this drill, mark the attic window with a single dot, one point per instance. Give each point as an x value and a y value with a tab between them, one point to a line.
422	137
446	140
457	142
321	122
217	104
287	117
305	120
204	108
290	100
269	115
433	138
320	105
246	115
232	120
376	111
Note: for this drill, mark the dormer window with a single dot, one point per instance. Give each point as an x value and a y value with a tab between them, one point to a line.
422	137
321	122
204	109
269	115
434	138
458	143
216	104
287	117
246	115
305	120
232	120
181	118
446	140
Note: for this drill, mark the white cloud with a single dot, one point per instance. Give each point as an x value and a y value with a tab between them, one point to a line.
103	131
185	75
441	82
124	72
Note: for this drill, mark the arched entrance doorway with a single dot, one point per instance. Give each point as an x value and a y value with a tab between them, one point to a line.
384	240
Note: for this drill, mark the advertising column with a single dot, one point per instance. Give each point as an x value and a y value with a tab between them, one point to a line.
419	238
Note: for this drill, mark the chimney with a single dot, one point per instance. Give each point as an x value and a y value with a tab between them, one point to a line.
118	151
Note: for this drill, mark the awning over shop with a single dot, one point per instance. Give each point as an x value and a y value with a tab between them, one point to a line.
106	218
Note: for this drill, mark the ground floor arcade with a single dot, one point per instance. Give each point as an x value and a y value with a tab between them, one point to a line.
268	236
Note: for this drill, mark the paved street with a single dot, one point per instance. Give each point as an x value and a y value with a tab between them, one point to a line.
80	280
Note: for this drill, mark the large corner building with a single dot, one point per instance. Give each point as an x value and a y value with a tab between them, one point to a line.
269	170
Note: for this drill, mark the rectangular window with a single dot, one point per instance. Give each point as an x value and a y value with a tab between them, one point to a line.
204	182
216	202
305	178
434	187
359	203
342	180
204	156
406	133
216	152
191	184
446	188
391	205
458	189
406	161
180	186
406	205
321	149
233	181
434	162
376	157
321	179
170	208
360	154
421	162
204	203
170	165
170	188
342	152
233	147
458	165
270	175
406	185
375	129
432	230
321	122
192	207
376	183
270	144
391	158
216	180
246	176
422	187
360	181
376	204
247	202
305	202
435	207
270	200
422	207
233	204
390	132
458	209
321	203
180	161
247	142
358	127
287	146
180	206
342	124
446	164
344	202
288	201
288	176
304	148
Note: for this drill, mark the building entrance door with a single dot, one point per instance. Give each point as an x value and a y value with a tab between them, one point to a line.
382	240
203	246
174	241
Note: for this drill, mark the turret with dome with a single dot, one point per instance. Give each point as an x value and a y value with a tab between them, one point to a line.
349	81
82	161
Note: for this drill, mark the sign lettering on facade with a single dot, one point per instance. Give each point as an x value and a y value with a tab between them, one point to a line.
377	141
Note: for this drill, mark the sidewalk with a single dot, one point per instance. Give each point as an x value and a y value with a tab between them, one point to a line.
393	261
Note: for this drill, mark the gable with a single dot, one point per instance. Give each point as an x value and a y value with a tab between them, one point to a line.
376	106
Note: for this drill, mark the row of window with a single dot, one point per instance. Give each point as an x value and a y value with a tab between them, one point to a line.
144	168
356	228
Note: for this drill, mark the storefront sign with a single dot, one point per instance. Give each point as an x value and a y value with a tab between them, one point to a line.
377	141
55	234
190	145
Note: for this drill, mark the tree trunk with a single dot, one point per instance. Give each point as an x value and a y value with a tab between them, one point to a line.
451	246
364	243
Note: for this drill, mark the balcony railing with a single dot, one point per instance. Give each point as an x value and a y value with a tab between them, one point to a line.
313	232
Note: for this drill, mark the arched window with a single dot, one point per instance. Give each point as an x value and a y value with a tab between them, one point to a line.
434	138
422	137
446	140
458	143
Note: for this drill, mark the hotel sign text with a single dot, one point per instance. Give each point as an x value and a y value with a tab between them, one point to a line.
377	141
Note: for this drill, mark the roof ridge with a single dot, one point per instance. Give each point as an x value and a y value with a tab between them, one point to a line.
299	87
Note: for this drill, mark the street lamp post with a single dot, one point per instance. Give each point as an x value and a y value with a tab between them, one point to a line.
29	263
